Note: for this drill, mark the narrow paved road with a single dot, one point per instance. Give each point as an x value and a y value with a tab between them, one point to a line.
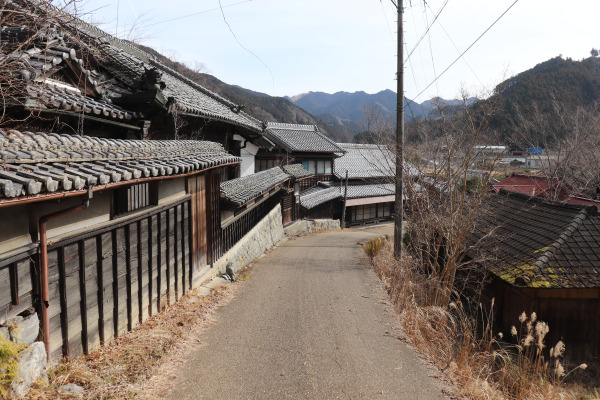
310	323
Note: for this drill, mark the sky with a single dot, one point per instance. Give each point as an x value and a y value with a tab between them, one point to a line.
286	48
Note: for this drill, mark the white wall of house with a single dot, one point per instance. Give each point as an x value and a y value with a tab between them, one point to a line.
170	189
247	154
15	228
97	212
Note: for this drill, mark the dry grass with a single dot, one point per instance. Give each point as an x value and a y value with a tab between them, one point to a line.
482	365
120	369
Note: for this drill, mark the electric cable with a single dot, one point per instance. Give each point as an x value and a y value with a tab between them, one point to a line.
248	50
464	52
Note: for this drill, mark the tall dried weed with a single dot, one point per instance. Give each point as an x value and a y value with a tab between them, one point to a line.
482	364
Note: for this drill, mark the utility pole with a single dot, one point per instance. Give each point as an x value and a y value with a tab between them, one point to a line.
398	206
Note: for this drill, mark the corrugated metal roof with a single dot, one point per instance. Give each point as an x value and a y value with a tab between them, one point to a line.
370	190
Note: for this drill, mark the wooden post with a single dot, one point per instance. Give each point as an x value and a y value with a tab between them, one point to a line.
345	199
399	209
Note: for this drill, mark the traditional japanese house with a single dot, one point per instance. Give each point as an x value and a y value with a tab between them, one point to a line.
303	144
70	75
104	226
544	257
250	198
371	171
99	234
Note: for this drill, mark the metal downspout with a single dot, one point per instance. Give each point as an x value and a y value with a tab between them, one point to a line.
44	265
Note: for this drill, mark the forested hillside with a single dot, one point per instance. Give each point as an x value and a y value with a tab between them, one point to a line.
541	102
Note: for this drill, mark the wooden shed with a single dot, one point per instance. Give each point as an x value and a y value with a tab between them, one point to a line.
544	257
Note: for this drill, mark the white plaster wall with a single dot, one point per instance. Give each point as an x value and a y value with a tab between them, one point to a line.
97	212
170	189
14	228
247	154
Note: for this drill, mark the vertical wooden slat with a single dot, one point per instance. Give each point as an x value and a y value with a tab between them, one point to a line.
115	271
175	254
128	275
150	266
140	272
183	260
158	259
190	243
62	288
100	279
14	283
83	295
168	259
35	282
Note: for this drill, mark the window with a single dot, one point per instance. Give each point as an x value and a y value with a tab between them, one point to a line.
133	198
384	210
318	167
262	165
367	211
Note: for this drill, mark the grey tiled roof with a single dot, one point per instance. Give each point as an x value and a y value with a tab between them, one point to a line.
541	244
368	161
300	138
51	96
240	191
192	98
318	195
131	69
34	163
297	171
370	190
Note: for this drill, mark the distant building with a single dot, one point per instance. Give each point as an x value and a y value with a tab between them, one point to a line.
554	188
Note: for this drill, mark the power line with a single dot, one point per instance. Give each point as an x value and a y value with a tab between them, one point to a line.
468	48
197	13
456	47
426	31
431	51
245	48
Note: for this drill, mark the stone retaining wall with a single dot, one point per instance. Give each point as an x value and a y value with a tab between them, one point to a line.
266	234
301	228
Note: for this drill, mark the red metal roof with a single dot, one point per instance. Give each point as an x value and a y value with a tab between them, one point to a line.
536	185
584	200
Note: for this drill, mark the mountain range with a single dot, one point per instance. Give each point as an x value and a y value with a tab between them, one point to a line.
548	92
347	111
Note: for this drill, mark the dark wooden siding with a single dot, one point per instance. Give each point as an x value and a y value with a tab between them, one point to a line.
106	281
575	321
322	211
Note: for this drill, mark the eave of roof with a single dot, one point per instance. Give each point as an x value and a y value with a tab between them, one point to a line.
37	165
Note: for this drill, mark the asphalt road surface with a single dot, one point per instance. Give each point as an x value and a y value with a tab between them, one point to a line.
311	322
